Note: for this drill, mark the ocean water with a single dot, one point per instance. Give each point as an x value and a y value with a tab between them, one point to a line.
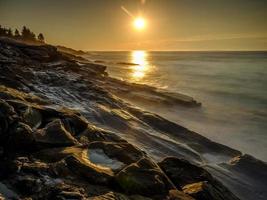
232	87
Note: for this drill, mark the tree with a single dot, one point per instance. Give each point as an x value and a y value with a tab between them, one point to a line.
27	34
3	31
17	34
9	32
41	37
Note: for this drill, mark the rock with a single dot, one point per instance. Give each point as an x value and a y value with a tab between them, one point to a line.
181	172
74	124
93	133
20	137
30	115
109	196
7	193
86	170
178	195
6	116
195	180
123	152
57	154
54	135
70	195
27	185
144	178
205	191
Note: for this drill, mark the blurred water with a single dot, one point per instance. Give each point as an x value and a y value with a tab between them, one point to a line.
232	86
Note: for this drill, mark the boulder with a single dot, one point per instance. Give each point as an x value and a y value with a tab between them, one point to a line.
73	123
195	180
57	154
182	172
178	195
93	133
117	196
28	114
123	152
205	191
86	170
20	137
7	114
143	177
54	135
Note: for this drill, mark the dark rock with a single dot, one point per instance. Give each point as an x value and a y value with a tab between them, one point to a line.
7	114
123	152
86	170
93	133
20	137
178	195
54	135
70	195
74	124
182	172
144	178
27	185
57	154
190	177
204	191
250	165
29	115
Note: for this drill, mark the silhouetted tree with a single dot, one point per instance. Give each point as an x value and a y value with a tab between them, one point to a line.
17	34
27	34
9	32
41	37
3	31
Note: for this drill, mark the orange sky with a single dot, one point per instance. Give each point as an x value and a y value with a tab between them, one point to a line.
171	24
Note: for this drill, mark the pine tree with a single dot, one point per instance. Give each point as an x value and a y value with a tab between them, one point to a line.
9	32
17	34
41	37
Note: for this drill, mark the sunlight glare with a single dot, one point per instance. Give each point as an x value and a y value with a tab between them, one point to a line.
140	58
139	23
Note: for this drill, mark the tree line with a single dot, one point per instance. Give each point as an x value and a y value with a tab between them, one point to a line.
25	34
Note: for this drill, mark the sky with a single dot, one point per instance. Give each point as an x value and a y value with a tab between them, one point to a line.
198	25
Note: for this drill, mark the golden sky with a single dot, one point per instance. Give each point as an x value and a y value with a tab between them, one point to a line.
170	24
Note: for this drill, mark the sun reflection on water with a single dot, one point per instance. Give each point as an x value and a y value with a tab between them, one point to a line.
139	70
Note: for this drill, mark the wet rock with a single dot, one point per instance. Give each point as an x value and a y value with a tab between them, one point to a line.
7	193
20	137
27	185
57	154
86	170
7	114
250	165
181	172
29	115
70	195
178	195
194	180
110	196
54	135
93	133
123	152
144	178
74	124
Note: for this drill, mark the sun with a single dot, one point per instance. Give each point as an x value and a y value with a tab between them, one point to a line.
139	23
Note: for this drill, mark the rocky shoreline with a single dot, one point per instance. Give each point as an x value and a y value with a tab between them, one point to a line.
66	134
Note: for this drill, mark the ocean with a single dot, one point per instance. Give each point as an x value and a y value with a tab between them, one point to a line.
232	87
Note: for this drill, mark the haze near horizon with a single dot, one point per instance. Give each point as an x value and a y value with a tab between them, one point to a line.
148	25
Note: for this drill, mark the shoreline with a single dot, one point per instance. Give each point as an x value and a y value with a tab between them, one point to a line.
57	80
